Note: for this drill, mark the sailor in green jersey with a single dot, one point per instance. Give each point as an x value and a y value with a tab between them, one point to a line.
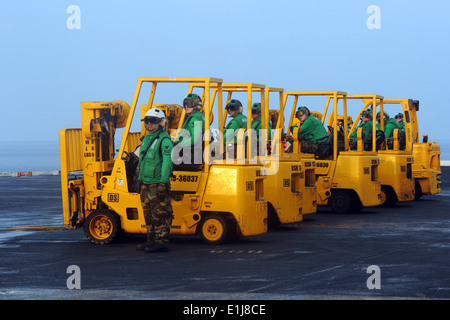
311	128
155	169
256	122
389	126
366	125
238	121
194	121
399	118
191	137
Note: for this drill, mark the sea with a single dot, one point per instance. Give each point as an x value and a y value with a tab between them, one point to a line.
20	156
44	155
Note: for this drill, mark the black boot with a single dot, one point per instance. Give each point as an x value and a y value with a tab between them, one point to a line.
155	247
143	245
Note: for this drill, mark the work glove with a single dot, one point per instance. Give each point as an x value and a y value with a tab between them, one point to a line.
352	144
161	190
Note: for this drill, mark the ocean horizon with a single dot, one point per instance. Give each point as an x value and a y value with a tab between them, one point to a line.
24	156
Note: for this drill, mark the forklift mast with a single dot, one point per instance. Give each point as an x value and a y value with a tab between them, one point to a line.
89	152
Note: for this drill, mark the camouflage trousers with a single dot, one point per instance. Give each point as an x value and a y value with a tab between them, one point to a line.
158	214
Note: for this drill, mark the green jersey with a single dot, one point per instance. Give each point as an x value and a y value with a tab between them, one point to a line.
367	128
236	123
256	125
195	125
313	130
389	126
155	158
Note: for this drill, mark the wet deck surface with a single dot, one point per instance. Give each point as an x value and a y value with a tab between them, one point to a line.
324	257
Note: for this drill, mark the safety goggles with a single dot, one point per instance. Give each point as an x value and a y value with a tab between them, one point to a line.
190	104
366	114
256	111
232	107
152	120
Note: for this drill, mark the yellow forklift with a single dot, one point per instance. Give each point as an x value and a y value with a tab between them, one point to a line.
426	169
346	180
307	161
284	187
395	169
215	200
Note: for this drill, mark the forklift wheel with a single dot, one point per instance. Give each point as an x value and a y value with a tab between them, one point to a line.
417	191
388	196
341	201
214	229
101	227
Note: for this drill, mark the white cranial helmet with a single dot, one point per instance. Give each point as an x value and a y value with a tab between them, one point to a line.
155	112
154	116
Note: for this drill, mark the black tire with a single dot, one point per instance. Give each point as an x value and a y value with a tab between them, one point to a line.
417	191
357	205
341	201
389	195
214	229
101	226
273	222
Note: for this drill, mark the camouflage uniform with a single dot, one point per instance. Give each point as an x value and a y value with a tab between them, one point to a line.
158	213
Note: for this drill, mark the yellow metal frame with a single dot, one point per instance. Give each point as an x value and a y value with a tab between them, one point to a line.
78	155
71	161
206	81
356	171
289	205
426	169
395	165
234	192
307	163
286	204
330	95
249	88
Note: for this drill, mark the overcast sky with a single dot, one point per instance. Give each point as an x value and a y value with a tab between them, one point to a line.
51	58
